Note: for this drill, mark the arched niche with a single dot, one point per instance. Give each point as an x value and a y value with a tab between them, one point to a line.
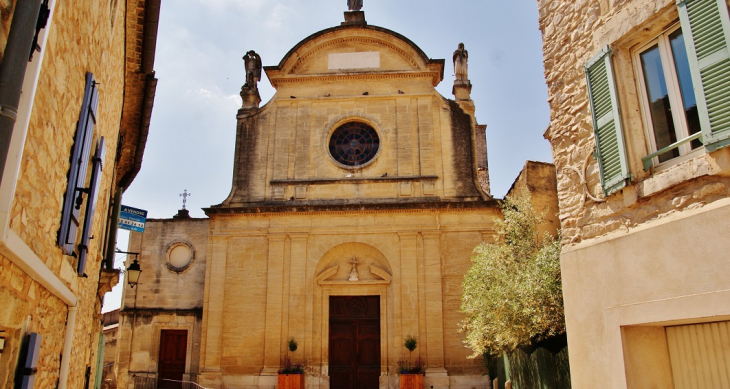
336	264
332	278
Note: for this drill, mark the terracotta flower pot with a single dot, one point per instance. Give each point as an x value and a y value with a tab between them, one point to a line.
411	381
291	381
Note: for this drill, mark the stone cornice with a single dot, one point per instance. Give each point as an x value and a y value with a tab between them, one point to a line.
339	206
128	311
277	81
356	180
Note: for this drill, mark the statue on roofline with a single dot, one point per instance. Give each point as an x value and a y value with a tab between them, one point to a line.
354	5
253	69
461	69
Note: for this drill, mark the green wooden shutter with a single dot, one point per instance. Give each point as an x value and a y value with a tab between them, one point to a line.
610	149
706	29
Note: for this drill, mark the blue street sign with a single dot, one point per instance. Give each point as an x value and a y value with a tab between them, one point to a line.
132	219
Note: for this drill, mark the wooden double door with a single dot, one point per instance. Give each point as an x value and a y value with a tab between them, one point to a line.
354	342
173	351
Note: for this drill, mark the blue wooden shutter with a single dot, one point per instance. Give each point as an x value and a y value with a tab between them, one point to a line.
610	150
706	29
93	192
79	164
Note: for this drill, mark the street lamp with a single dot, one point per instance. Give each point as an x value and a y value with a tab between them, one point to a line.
133	273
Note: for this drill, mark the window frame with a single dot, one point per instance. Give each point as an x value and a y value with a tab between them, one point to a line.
675	99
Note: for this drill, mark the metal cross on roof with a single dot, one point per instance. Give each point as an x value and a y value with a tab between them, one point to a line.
185	196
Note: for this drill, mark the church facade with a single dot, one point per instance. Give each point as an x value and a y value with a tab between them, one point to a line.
359	193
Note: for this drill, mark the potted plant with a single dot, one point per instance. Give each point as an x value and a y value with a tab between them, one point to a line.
291	375
411	374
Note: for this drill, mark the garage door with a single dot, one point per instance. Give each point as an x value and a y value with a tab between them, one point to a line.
700	355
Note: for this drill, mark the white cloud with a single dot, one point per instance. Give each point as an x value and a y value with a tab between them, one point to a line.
278	16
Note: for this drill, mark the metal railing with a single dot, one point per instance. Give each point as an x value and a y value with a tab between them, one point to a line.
152	382
648	159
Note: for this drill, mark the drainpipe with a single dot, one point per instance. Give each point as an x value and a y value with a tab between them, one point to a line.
12	69
111	242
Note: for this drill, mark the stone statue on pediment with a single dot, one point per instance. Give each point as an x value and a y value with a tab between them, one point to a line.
354	5
253	69
461	68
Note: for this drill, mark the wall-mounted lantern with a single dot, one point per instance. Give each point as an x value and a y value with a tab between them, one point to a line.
133	273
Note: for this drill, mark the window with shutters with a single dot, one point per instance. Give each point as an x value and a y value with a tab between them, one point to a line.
683	84
667	96
77	191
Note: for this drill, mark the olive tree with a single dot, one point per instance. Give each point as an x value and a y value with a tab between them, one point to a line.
512	295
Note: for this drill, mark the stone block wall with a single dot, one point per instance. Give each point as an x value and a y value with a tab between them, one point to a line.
82	39
539	180
573	32
6	16
425	150
160	287
163	299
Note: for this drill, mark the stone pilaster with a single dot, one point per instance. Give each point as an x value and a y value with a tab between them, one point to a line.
436	373
274	295
409	288
211	349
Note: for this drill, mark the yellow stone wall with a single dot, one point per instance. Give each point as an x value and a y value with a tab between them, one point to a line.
648	256
572	34
294	215
81	39
6	16
426	143
426	253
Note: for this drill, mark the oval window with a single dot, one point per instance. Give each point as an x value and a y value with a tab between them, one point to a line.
354	144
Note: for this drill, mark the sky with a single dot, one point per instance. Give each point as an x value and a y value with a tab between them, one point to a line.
200	45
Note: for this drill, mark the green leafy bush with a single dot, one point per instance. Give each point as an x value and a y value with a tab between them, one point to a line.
512	295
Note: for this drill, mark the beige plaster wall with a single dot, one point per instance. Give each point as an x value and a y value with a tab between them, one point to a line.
423	253
670	271
72	49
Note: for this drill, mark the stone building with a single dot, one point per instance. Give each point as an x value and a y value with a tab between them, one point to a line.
74	121
639	96
358	195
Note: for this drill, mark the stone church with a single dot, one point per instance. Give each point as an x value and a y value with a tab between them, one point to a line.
359	193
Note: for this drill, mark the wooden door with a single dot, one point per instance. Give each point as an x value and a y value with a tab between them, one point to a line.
354	342
173	349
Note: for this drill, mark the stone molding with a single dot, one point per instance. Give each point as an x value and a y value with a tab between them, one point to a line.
343	77
354	180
